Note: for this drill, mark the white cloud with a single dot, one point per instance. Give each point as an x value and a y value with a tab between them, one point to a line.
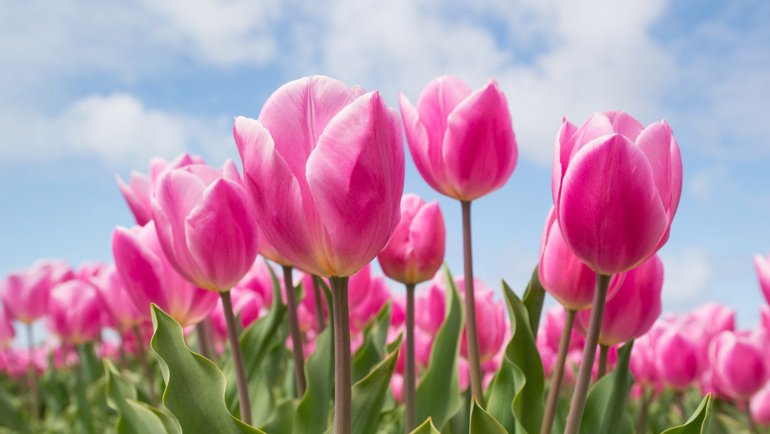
687	277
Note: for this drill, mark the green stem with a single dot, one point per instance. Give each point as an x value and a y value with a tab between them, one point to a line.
235	348
752	426
296	334
141	354
603	353
32	374
641	421
203	341
410	372
342	369
84	408
575	416
558	372
471	333
318	304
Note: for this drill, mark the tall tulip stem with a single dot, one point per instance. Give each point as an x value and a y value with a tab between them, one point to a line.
558	372
342	369
470	308
319	308
141	354
32	373
203	341
235	347
641	421
409	374
296	335
578	403
604	351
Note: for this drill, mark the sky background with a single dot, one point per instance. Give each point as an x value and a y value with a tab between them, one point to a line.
88	91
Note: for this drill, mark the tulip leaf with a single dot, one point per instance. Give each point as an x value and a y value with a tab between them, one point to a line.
438	393
533	299
195	387
11	415
282	419
699	421
369	395
483	423
501	392
372	350
606	402
134	417
313	411
426	428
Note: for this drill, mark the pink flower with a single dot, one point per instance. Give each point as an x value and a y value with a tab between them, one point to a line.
7	332
551	330
737	366
461	140
206	224
642	362
325	167
760	406
762	265
616	188
416	250
26	293
678	359
634	308
74	312
563	275
115	299
150	278
367	294
247	305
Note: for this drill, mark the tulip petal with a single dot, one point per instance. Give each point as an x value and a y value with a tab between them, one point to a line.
610	212
479	146
221	235
562	151
139	269
624	124
426	158
437	101
655	141
356	175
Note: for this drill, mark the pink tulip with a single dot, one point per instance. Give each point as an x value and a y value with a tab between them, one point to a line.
26	293
206	225
563	275
367	294
247	305
430	305
762	265
760	406
325	166
493	325
416	250
150	278
642	362
461	140
7	332
306	310
551	330
616	188
677	359
116	300
634	308
737	366
74	312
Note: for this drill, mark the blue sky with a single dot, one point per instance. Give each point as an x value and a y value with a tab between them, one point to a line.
87	92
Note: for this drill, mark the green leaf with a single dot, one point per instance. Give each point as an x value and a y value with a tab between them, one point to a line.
11	415
133	416
533	299
195	387
315	406
438	394
698	422
426	428
606	401
483	423
282	420
372	350
369	395
501	392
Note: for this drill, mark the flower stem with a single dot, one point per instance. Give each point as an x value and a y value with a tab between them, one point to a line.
641	421
319	308
409	374
603	353
203	342
342	372
296	335
32	374
558	372
142	356
752	426
472	336
578	403
235	347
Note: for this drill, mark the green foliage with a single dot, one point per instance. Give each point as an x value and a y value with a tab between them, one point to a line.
369	395
533	299
483	423
698	422
426	428
605	406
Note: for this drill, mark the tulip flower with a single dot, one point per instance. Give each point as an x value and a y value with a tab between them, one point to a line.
116	299
677	359
150	278
74	312
25	293
7	332
760	406
247	305
463	145
737	366
325	167
762	265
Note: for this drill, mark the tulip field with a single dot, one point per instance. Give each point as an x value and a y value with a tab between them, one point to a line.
301	290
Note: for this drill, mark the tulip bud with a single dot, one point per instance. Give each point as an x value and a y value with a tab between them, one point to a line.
737	365
762	265
74	312
677	359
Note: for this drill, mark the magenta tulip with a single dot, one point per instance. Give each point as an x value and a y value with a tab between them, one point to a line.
677	359
7	332
74	312
760	406
494	324
116	299
247	305
26	293
416	250
634	308
643	361
150	278
552	327
762	265
367	295
616	188
737	366
206	225
461	140
325	166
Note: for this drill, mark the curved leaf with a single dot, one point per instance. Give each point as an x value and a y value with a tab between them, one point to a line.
533	299
698	422
438	394
195	387
372	350
11	415
426	428
483	423
369	395
314	408
606	401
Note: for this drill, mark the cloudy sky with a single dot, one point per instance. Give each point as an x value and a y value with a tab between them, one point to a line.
87	92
